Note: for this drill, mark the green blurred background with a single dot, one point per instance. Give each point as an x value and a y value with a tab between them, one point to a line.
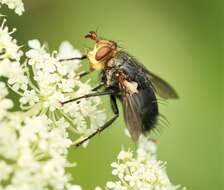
178	40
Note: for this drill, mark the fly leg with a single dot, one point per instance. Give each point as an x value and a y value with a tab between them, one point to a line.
103	93
93	94
107	124
97	86
82	74
73	58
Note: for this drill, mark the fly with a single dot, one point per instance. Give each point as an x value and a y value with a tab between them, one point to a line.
124	78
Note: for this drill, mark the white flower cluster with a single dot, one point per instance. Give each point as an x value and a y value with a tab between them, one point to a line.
33	154
56	82
10	55
42	82
34	141
17	5
140	172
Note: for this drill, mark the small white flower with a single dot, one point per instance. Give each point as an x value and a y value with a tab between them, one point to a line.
118	169
8	48
66	85
17	5
10	54
116	185
29	97
6	170
3	90
98	188
5	103
53	101
110	184
74	187
34	44
16	76
66	50
147	149
8	141
124	155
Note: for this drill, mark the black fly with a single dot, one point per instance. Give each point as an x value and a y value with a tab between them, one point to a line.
125	79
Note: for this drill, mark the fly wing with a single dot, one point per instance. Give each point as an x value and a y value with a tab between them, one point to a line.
140	112
132	116
162	88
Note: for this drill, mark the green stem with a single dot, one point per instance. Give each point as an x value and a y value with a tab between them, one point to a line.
69	119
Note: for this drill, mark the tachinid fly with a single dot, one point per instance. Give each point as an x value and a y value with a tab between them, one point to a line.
125	79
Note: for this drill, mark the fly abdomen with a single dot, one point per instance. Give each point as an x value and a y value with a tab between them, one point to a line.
149	109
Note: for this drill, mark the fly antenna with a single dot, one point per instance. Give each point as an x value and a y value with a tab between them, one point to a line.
92	35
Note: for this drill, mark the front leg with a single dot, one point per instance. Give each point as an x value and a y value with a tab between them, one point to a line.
82	74
98	86
103	93
73	58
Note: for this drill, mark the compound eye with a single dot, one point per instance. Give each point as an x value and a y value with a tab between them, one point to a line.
102	52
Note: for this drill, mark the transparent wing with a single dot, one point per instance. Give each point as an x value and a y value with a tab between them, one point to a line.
132	116
136	69
140	112
162	88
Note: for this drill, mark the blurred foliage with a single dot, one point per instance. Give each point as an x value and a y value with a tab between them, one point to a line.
178	40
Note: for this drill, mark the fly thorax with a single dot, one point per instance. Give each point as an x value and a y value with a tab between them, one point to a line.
111	81
111	63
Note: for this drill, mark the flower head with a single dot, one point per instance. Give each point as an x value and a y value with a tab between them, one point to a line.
142	171
17	5
38	156
34	140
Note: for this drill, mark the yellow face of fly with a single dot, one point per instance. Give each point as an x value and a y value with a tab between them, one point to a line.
94	64
101	53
